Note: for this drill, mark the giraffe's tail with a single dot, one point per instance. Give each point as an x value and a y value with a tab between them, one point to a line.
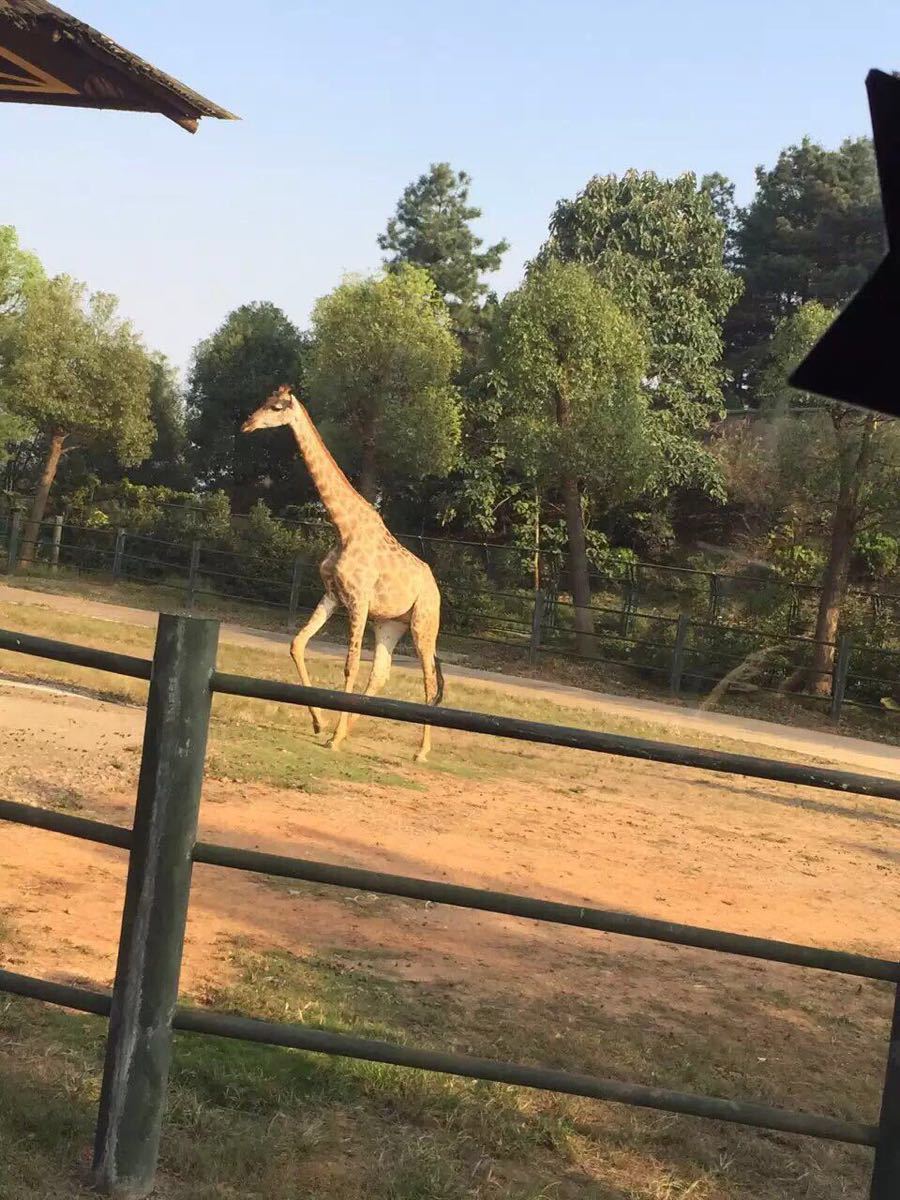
440	681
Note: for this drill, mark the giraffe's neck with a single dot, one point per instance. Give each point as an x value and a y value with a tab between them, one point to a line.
343	502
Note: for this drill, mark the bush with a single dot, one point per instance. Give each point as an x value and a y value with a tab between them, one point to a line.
877	555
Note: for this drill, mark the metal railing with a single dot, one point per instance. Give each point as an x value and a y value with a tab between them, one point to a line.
683	654
163	845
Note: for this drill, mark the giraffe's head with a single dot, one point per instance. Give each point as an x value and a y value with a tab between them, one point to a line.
278	409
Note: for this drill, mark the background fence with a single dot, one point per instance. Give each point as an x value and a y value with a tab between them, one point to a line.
680	650
163	846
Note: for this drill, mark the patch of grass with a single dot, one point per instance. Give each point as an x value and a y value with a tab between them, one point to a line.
406	684
273	743
262	1122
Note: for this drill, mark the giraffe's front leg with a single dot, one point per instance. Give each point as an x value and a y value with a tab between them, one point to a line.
357	613
323	611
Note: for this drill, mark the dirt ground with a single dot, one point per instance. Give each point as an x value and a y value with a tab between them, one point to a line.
752	857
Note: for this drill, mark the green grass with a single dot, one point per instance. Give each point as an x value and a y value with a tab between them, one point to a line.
804	713
260	1122
263	1122
273	743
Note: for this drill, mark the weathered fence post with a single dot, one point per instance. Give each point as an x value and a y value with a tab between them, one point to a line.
138	1048
55	543
12	548
677	668
296	578
118	553
886	1174
715	597
839	675
629	599
192	576
537	622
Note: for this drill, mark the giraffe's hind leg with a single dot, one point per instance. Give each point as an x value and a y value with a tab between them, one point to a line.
387	635
323	611
424	628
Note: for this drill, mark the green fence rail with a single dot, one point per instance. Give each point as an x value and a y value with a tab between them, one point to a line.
162	847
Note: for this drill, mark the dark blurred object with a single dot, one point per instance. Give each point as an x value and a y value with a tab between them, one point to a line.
857	360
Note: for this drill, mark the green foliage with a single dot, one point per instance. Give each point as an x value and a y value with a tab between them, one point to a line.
813	231
432	229
18	269
78	369
268	546
658	247
824	443
792	560
158	512
254	351
467	599
877	554
568	369
166	464
793	338
380	376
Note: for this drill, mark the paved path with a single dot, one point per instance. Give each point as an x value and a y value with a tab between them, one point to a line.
852	752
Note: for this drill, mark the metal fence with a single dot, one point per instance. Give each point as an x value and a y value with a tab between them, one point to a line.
163	846
679	653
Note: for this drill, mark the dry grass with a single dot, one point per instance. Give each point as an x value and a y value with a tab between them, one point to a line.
259	1122
268	1124
802	712
254	739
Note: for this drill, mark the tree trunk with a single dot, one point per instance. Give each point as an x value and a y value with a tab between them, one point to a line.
854	461
368	471
537	541
578	566
39	503
834	590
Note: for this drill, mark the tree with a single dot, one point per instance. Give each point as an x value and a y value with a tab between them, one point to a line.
843	461
569	365
80	375
381	367
17	269
166	465
813	231
432	229
657	246
255	350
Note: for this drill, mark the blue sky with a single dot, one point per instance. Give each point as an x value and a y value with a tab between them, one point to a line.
343	103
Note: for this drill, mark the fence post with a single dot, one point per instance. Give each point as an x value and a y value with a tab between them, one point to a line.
12	549
677	667
192	576
138	1048
886	1173
118	553
55	544
715	597
537	621
839	675
629	599
296	576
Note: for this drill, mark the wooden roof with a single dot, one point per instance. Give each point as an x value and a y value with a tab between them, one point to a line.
50	57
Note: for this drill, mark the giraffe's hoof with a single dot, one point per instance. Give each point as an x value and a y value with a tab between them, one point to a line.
422	757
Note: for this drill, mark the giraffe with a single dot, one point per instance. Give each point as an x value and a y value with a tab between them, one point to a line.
368	572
